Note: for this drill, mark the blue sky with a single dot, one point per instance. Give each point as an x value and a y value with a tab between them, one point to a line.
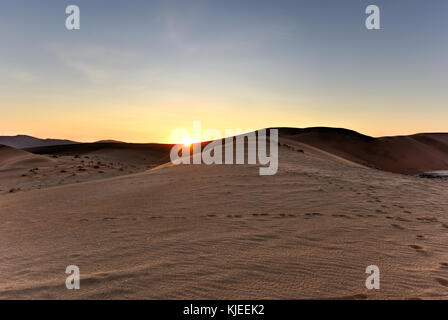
136	70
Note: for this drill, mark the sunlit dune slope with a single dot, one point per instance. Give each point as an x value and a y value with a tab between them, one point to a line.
11	158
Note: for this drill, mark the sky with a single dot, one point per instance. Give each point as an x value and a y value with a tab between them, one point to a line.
138	70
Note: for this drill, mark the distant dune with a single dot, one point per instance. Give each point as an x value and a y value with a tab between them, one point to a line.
23	141
23	170
11	158
131	153
412	154
108	141
400	154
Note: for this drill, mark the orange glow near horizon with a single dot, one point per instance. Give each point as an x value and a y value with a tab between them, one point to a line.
149	122
90	132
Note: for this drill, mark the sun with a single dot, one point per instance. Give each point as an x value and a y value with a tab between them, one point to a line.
187	141
182	136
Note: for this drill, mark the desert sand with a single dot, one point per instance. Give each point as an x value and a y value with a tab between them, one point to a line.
144	229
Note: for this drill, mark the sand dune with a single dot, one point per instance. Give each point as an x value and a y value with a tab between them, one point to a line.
11	158
413	154
129	153
67	164
222	232
401	154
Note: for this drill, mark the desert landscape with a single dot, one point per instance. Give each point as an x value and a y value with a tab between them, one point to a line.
139	227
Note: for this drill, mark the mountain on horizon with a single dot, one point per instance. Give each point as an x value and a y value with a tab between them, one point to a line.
25	141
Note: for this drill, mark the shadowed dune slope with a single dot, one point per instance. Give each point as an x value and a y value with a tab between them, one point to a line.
11	158
400	154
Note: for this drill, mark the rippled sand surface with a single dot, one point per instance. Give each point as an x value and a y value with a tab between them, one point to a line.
224	232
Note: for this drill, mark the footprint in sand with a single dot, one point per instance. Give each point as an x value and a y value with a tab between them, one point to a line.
442	281
416	247
427	219
341	216
397	226
260	214
313	214
284	215
233	216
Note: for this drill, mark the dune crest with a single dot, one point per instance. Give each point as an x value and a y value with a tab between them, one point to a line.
412	154
11	158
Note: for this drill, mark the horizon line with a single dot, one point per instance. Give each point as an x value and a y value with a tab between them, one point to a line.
112	140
